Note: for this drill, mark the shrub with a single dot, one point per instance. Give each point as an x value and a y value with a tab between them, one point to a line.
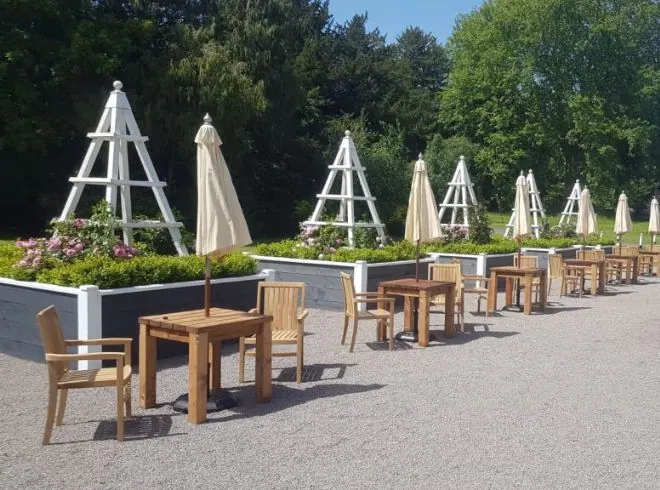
107	273
470	248
293	249
480	230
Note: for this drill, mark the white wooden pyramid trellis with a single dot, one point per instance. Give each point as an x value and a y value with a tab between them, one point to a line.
118	127
572	207
347	162
535	207
460	196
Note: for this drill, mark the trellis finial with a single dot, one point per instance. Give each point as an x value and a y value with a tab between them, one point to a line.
207	119
347	133
117	85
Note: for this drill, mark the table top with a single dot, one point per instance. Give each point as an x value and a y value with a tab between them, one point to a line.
195	321
647	252
513	270
414	285
621	257
583	262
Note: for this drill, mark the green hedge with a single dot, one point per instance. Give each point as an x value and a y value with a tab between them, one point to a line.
291	249
469	248
565	242
108	273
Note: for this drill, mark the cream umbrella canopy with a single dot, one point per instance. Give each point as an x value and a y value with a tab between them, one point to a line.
586	219
221	225
522	225
654	218
422	223
622	221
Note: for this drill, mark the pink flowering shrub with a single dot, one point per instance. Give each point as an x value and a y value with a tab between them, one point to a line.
76	238
328	239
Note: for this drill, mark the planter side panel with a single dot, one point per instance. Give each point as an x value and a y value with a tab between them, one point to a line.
468	264
566	253
120	312
498	261
19	335
322	282
394	271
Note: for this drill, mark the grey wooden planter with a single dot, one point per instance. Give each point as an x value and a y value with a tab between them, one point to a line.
479	264
322	280
542	254
89	312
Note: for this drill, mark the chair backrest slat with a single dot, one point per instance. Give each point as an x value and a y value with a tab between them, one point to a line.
526	261
52	337
591	254
349	293
556	265
446	272
282	300
628	251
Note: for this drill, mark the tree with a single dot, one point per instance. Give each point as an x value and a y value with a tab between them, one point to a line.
562	93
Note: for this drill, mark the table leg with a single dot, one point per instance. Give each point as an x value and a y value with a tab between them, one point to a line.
635	270
215	362
423	319
492	293
597	277
147	364
263	364
508	291
528	294
602	278
408	312
544	291
450	300
381	331
198	352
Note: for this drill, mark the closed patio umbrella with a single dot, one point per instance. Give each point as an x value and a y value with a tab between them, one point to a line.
522	224
586	219
422	223
622	221
221	225
654	218
220	228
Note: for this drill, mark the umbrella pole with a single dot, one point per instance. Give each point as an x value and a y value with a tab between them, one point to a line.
618	237
654	239
417	263
519	266
207	287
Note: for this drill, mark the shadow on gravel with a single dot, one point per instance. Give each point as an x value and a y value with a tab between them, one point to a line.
284	398
137	428
313	372
553	310
469	335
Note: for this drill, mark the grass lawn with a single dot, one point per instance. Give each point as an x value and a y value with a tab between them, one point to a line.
605	224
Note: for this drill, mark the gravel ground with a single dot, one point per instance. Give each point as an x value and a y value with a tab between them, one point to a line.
565	399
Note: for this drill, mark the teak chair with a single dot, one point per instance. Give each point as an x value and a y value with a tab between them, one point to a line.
565	274
285	301
529	262
351	311
450	273
612	268
61	379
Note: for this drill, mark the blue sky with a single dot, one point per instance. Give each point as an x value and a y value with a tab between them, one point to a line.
393	16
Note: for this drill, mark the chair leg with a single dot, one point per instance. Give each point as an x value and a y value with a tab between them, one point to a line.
343	335
50	415
391	330
355	327
299	356
127	399
61	407
120	410
241	360
549	286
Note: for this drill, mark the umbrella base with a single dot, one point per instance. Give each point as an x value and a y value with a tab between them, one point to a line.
217	400
412	335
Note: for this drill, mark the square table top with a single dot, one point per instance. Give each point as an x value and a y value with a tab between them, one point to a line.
621	257
518	271
583	262
415	285
195	321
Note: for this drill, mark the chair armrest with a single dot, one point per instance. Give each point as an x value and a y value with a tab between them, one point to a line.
302	314
374	293
253	311
108	341
89	356
475	277
376	299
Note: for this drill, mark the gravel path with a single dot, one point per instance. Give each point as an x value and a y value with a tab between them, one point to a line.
566	399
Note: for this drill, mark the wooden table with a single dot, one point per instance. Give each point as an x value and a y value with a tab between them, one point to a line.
597	272
527	276
203	336
424	290
630	262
